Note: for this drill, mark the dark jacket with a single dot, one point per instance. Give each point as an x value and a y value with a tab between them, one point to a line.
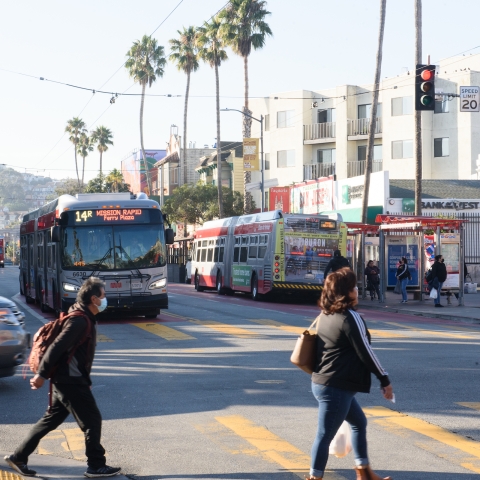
345	358
439	270
372	274
403	272
57	355
336	263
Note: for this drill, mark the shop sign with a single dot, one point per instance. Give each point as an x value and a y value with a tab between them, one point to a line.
279	199
314	196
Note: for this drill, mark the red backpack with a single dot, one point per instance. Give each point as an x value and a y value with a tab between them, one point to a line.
47	334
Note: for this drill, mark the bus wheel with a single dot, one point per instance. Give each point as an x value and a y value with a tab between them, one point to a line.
220	289
152	314
198	287
255	294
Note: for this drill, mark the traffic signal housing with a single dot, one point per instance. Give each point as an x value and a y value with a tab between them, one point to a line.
425	87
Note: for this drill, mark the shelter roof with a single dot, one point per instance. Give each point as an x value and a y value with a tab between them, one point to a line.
412	221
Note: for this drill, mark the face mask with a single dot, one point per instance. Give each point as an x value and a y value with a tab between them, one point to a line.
442	260
103	304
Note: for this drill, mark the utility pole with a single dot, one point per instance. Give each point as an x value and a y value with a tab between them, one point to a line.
418	113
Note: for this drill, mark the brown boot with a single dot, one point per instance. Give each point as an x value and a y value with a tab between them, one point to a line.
313	478
366	473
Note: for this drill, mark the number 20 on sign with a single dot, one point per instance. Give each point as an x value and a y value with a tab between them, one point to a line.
470	99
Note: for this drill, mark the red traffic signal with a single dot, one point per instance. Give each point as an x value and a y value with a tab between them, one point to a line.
425	87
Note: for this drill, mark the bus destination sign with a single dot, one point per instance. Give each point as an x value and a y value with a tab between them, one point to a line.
122	215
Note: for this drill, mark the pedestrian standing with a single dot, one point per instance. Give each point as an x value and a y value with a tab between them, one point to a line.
71	385
372	272
345	361
403	275
338	261
439	275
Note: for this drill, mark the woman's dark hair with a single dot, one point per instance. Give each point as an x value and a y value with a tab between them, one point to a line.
92	287
404	260
335	296
438	257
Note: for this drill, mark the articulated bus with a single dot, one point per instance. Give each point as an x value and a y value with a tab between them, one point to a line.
266	252
118	237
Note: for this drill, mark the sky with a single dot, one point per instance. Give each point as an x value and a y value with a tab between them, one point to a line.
316	44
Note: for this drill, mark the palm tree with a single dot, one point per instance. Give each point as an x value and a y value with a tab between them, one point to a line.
146	62
102	136
115	179
185	56
243	28
211	51
373	113
84	145
75	127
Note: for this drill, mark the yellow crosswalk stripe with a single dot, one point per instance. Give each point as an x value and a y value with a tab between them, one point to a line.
103	338
9	476
385	334
279	325
163	331
434	333
225	328
272	446
387	417
473	405
70	440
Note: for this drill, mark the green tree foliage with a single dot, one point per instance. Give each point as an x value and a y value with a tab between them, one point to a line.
12	190
102	137
196	204
75	128
113	182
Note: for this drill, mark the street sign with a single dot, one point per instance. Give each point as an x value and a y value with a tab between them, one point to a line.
470	99
250	154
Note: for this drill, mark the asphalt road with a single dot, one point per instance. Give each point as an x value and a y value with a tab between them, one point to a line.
207	391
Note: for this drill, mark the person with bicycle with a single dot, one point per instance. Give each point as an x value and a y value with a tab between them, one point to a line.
372	272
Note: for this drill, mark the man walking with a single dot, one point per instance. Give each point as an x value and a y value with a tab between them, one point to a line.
336	263
439	275
71	393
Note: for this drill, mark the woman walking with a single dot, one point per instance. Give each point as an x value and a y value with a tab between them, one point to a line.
403	275
345	361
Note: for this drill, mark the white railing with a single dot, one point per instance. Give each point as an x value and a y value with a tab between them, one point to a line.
319	130
361	126
318	170
357	167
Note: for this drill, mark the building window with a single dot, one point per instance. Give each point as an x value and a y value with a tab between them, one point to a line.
441	106
365	111
267	122
402	106
327	155
377	152
267	161
402	149
285	158
441	147
327	115
285	118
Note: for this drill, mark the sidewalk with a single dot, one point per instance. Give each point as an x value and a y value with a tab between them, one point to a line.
49	467
470	313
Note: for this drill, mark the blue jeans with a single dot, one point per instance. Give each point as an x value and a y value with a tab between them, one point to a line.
404	288
439	289
334	406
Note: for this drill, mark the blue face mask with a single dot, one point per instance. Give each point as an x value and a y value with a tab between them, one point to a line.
103	304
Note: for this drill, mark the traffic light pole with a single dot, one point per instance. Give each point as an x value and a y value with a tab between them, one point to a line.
418	113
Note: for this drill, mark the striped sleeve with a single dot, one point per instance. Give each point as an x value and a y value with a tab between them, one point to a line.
358	335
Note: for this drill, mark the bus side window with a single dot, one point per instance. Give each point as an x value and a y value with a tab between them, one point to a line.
204	254
252	251
244	250
215	255
222	248
197	251
262	249
210	254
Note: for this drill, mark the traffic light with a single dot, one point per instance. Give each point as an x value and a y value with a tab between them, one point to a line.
425	87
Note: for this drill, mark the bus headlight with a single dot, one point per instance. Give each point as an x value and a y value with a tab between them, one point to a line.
68	287
158	284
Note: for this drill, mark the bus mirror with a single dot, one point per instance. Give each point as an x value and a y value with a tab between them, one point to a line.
169	236
56	234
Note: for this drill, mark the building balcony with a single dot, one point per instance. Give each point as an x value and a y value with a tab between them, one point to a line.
360	128
318	170
357	167
319	133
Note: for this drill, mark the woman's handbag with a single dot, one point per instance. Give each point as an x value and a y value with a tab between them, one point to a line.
398	287
304	353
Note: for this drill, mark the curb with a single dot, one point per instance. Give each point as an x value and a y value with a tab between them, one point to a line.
416	313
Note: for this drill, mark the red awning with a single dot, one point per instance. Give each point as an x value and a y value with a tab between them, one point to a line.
423	222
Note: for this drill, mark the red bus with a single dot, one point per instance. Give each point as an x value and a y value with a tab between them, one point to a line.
2	253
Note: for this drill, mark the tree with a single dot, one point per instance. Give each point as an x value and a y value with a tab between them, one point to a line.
146	62
12	190
418	113
211	51
113	182
185	56
84	146
102	136
243	28
373	113
75	127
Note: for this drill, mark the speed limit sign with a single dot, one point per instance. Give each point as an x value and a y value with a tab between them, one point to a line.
470	99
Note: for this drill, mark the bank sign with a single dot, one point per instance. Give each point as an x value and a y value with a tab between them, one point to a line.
443	206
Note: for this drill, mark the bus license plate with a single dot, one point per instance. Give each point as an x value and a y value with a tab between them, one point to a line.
136	285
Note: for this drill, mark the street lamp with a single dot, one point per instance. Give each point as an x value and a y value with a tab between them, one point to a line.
262	183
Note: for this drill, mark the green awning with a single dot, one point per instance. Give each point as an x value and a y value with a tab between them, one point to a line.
355	214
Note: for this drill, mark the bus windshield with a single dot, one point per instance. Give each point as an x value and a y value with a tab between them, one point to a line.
119	247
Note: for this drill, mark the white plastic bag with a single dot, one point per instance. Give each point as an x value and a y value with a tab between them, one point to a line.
342	442
433	293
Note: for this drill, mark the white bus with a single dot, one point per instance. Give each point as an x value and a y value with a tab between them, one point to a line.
266	252
119	237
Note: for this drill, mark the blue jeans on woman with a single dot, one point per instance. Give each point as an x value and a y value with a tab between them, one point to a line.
404	282
439	289
334	406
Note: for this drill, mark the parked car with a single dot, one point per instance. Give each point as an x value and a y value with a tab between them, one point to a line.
14	340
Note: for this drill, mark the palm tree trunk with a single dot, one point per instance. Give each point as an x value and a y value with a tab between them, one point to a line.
373	113
101	153
418	114
247	132
83	170
145	163
76	163
185	168
219	149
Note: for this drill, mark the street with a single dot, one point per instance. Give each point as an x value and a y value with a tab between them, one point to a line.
207	391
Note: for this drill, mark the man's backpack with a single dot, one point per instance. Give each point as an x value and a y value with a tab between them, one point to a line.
429	275
47	334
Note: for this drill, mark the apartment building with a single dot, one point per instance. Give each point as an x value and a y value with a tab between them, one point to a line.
313	134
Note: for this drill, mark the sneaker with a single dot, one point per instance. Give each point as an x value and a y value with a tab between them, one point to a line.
105	471
19	467
438	305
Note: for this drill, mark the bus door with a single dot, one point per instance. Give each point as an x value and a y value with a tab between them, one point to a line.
241	272
41	284
51	271
31	266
